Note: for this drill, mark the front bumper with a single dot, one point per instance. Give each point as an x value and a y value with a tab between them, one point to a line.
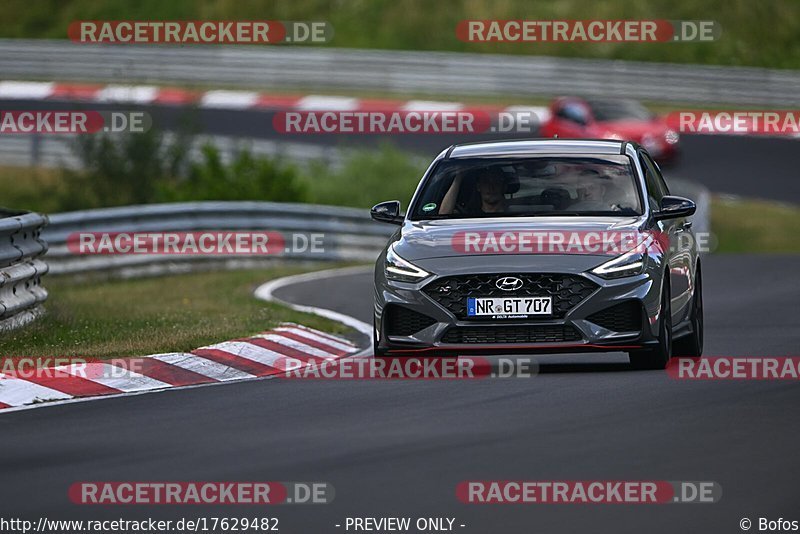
580	328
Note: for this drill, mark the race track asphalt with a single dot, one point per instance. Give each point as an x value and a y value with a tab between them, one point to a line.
398	448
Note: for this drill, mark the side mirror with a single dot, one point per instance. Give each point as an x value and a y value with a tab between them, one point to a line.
675	207
388	212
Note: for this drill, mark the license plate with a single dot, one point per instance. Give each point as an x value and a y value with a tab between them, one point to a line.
509	306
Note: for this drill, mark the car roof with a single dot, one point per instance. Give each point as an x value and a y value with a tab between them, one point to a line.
535	147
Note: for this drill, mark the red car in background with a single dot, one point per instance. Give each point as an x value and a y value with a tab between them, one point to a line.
596	118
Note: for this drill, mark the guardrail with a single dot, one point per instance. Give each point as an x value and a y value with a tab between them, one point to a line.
21	291
346	234
434	73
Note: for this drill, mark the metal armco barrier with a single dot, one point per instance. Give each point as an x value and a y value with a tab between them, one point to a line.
21	291
443	73
344	234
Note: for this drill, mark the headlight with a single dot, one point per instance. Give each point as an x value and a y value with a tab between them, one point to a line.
671	137
629	264
400	270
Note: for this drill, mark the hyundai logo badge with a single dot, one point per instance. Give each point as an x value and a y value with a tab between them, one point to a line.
508	283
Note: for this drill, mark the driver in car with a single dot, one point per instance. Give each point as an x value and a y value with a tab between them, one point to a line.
491	187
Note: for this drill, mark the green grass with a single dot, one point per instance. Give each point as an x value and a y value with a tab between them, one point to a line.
754	33
366	178
29	188
744	225
164	314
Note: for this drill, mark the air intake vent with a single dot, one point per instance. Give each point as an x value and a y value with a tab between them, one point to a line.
623	317
511	334
402	321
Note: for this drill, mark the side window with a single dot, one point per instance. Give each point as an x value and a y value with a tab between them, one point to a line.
573	112
656	188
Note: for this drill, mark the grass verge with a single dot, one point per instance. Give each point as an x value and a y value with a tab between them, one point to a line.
746	225
30	188
173	313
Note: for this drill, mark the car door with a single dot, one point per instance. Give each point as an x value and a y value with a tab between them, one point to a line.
679	255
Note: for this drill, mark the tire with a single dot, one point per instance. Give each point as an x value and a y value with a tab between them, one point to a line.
691	346
658	357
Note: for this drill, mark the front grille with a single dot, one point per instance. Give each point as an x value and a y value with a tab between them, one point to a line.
511	334
622	317
567	290
402	321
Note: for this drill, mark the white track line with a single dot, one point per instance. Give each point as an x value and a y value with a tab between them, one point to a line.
291	343
202	366
138	94
16	392
266	292
255	353
319	333
115	377
314	337
25	90
229	99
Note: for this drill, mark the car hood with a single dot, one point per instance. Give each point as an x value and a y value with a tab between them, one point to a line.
420	240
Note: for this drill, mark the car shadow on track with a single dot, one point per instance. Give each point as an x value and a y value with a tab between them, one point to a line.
554	368
563	364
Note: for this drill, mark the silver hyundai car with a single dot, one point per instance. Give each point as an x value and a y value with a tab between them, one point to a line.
540	246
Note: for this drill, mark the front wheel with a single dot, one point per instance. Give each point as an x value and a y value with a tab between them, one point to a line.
658	357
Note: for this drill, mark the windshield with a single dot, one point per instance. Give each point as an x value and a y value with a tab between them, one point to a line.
528	187
615	110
